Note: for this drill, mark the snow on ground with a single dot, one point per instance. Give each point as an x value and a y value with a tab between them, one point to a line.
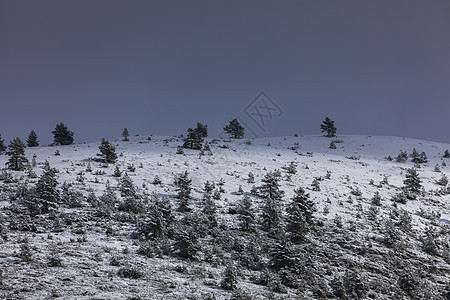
357	164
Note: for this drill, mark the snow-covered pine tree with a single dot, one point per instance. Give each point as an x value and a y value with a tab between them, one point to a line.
62	135
106	202
154	226
126	187
186	243
16	152
446	153
283	255
125	135
328	127
271	187
208	189
401	157
117	173
299	216
443	181
108	151
315	185
47	188
230	280
195	137
246	214
418	158
202	130
412	183
32	140
132	200
271	218
183	185
234	129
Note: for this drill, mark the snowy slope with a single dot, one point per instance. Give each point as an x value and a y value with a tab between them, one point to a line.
357	164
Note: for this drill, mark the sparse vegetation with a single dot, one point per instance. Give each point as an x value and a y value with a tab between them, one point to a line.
224	227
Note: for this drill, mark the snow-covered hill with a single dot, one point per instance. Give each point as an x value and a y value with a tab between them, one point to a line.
356	248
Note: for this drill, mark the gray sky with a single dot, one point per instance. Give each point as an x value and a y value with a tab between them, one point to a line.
158	67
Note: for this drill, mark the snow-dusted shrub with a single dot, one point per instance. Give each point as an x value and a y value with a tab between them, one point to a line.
157	180
130	272
402	157
376	199
355	191
315	185
414	286
443	181
54	260
250	178
400	198
117	173
332	145
149	249
291	168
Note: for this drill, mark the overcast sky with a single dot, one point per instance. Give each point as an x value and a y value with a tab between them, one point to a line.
158	67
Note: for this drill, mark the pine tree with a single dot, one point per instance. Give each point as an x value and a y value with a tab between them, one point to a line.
183	184
315	185
32	140
443	181
230	280
108	152
2	145
328	127
418	158
283	256
186	243
125	135
246	215
299	216
402	157
62	135
413	184
210	212
332	145
446	153
17	159
195	137
202	130
106	202
271	188
117	173
271	220
208	189
414	156
234	129
154	226
126	187
46	188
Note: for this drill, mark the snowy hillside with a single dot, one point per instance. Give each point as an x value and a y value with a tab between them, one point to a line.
104	239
